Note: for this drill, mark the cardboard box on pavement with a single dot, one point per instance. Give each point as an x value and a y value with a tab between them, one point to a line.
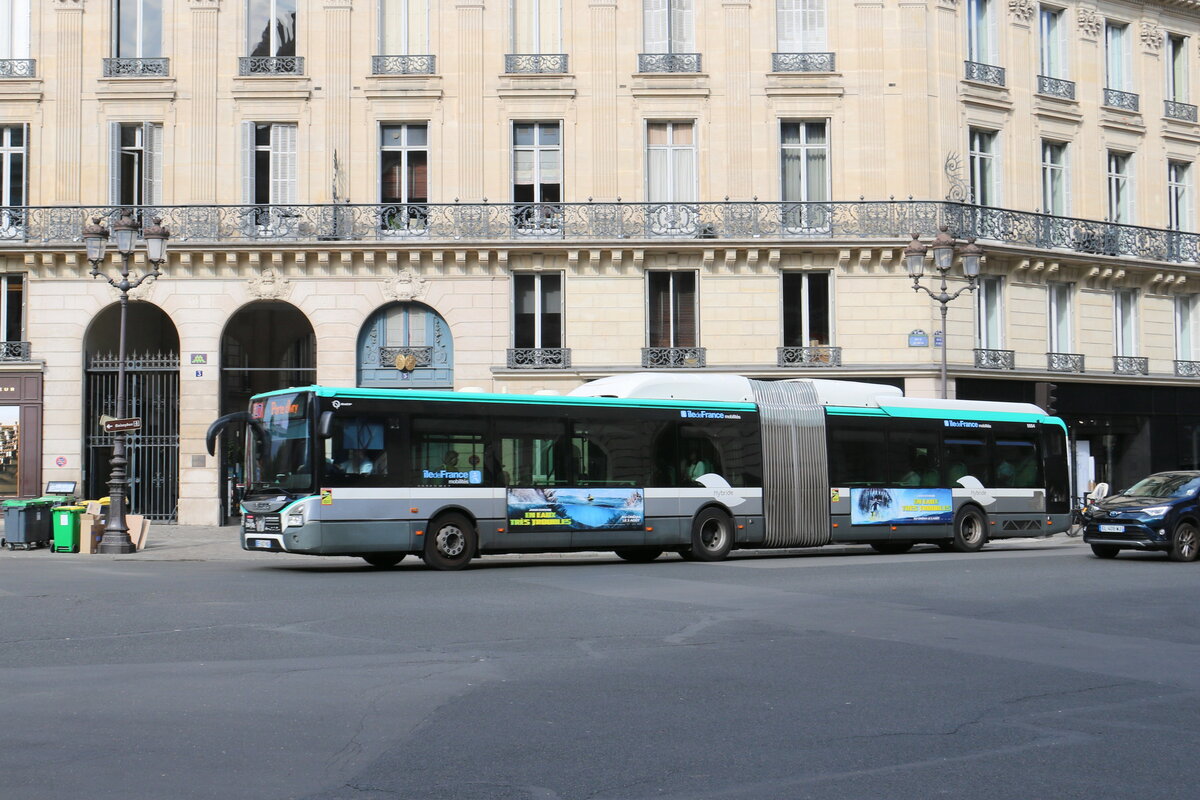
91	531
138	526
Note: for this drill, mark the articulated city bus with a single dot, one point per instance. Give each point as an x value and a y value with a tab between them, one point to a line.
642	464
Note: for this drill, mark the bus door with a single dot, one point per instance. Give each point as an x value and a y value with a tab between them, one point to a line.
535	470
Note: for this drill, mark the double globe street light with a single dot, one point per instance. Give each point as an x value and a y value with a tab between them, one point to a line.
95	235
944	250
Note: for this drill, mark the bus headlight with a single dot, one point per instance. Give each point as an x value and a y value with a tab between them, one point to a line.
296	519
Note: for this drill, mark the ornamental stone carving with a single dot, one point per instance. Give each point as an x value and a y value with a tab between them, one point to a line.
1090	23
1022	10
1152	37
269	285
205	4
69	5
406	286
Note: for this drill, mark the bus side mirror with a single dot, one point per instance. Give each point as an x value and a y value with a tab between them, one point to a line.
325	425
220	425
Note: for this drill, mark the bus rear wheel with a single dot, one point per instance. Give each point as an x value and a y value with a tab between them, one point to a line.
712	536
450	542
970	532
637	555
383	560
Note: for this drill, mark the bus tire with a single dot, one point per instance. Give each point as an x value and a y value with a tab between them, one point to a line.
1185	542
970	530
712	536
450	542
637	555
383	560
891	548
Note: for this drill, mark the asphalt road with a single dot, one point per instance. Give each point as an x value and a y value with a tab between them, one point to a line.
1029	670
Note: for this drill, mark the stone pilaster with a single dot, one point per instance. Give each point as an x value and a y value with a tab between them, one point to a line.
605	120
737	112
68	99
471	146
203	78
339	51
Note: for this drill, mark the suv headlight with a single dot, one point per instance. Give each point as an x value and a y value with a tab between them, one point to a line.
1156	511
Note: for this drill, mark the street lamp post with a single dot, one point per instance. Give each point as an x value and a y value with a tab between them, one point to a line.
95	235
943	259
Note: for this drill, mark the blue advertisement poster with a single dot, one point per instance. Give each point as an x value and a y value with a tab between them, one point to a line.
576	509
901	506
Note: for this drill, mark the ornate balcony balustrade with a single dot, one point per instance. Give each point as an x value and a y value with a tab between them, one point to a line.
665	357
816	356
535	63
668	62
406	358
1131	365
18	68
1064	362
888	221
270	65
1187	369
1056	87
1118	99
802	62
539	357
995	359
403	65
1183	111
984	73
14	351
137	67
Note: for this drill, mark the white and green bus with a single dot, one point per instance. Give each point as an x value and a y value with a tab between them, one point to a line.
642	464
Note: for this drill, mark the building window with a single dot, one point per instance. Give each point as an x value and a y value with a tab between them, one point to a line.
806	302
14	29
537	162
1116	54
1120	192
670	162
404	176
802	26
669	26
537	309
269	168
135	158
1177	68
404	27
1186	328
1054	178
984	189
13	177
137	28
1179	195
804	155
1053	61
989	313
671	309
1125	322
536	26
1060	317
271	27
981	43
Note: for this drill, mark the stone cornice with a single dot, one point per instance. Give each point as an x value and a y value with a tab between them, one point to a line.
205	5
68	5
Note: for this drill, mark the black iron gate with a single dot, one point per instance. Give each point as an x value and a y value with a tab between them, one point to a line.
152	394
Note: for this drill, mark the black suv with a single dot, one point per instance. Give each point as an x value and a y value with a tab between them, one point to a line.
1160	512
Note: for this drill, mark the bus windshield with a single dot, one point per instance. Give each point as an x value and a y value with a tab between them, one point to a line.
279	444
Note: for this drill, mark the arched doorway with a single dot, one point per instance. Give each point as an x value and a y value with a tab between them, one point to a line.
406	346
266	345
151	394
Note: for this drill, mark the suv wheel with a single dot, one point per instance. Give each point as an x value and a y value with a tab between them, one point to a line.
1185	542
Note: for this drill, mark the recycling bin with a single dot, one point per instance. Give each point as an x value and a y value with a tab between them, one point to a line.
65	525
26	524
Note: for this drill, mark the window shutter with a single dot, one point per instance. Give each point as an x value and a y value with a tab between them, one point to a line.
524	37
813	26
685	309
655	24
17	38
25	161
248	162
788	24
550	27
418	28
658	311
114	163
152	149
683	27
418	168
283	165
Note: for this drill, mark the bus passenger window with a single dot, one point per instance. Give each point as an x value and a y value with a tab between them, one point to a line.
1016	463
967	457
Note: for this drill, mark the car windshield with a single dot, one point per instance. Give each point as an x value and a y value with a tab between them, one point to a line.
279	444
1167	484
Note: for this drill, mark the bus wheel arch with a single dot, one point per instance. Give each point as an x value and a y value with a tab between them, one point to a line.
451	539
970	529
712	534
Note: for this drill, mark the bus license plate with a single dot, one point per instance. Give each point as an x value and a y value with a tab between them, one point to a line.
265	544
1112	528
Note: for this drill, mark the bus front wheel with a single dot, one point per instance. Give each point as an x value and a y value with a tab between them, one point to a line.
970	532
712	536
449	542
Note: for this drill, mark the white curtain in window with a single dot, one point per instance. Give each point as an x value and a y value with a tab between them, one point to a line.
1185	327
655	26
536	26
1124	302
988	311
684	168
283	165
1115	43
549	166
1177	69
1051	34
1060	317
979	32
14	28
658	186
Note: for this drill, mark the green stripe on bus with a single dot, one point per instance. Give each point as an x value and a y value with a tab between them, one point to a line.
947	413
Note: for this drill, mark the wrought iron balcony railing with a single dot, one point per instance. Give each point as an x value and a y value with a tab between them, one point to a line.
1187	369
682	357
1056	87
995	359
886	220
403	65
1183	111
816	356
1064	362
539	357
1114	98
405	358
984	73
18	68
535	63
137	67
270	65
14	351
802	62
668	62
1131	365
